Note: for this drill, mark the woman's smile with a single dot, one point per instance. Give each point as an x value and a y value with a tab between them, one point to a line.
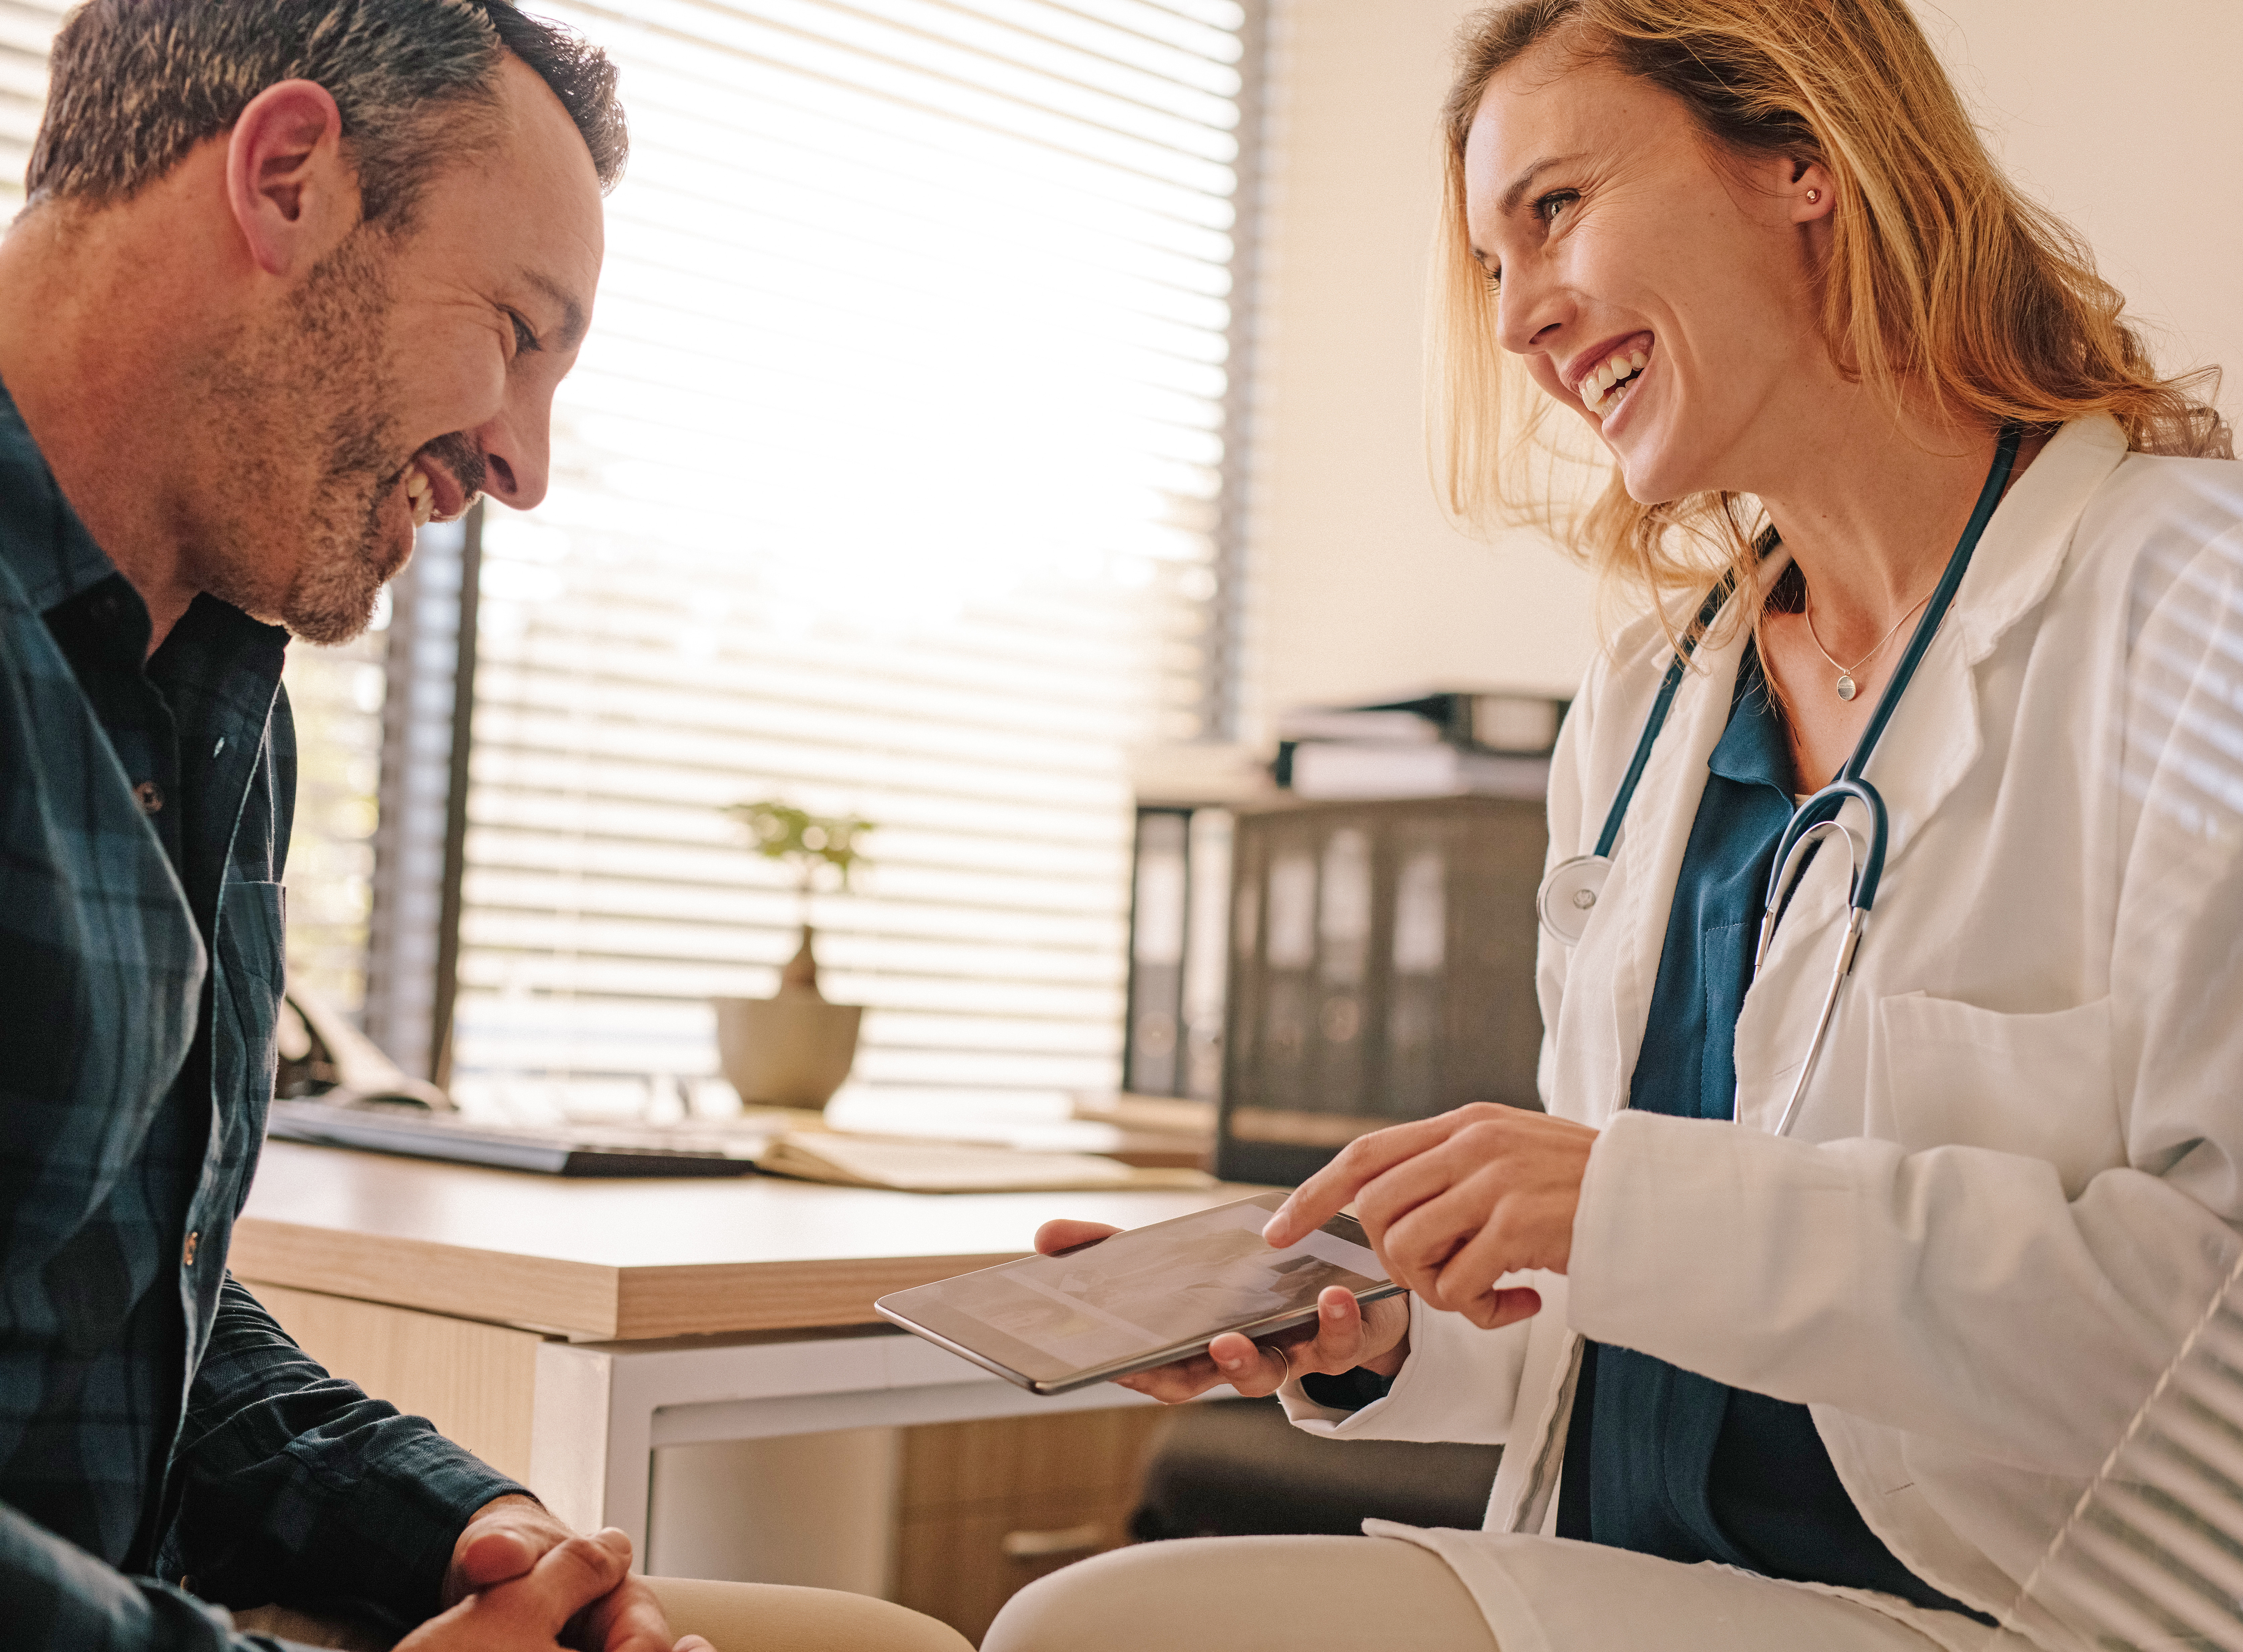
1603	377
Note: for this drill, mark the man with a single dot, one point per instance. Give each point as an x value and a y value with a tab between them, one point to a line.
295	278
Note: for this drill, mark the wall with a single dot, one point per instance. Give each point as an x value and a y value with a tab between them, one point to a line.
2122	119
1362	589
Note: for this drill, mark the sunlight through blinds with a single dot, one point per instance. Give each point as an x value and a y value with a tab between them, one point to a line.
888	483
27	27
2151	1559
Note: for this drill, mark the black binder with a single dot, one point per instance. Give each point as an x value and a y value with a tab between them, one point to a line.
1382	968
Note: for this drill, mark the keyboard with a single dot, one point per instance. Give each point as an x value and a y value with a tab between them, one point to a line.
701	1148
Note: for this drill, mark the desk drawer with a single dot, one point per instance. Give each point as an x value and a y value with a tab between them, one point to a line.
961	1567
986	1508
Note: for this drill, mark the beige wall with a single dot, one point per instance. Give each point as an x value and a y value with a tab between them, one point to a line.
2121	116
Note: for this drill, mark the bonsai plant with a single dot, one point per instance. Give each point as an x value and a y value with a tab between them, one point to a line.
809	844
793	1049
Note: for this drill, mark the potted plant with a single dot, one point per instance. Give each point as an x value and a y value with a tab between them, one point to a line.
793	1049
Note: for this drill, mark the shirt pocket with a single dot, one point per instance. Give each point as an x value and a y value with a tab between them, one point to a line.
251	950
1948	1074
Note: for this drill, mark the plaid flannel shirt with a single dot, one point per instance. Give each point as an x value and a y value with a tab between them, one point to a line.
154	1418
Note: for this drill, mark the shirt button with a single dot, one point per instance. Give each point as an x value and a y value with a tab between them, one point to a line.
151	796
187	1255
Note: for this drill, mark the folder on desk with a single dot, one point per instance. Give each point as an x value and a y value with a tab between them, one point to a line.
949	1167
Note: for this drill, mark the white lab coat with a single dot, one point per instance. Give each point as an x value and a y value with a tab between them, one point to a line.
2017	1178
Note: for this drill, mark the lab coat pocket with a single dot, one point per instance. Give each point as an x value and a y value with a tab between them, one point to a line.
1947	1074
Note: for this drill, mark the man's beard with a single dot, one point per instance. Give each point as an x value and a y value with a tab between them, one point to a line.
321	369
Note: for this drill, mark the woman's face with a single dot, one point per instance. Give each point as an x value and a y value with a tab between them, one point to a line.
1666	298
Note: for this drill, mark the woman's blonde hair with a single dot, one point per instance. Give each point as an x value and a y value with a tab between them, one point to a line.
1941	279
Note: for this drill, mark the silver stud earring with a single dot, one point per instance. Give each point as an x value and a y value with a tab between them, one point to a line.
1813	196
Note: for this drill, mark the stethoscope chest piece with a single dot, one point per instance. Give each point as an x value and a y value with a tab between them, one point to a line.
1569	895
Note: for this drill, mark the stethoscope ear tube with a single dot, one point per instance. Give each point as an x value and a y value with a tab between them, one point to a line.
1815	818
1856	920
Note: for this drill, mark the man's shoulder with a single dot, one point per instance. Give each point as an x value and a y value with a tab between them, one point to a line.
33	668
46	556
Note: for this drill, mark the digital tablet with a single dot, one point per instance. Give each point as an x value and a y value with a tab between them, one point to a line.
1140	1299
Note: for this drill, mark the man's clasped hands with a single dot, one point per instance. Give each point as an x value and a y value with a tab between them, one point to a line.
520	1580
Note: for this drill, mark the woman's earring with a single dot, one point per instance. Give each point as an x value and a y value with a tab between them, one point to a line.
1813	196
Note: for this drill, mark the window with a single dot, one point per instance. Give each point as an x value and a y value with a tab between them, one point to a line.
891	482
27	27
896	478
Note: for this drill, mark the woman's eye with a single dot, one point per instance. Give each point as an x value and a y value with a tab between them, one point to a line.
524	340
1556	201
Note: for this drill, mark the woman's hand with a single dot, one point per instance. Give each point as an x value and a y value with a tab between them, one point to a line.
1452	1203
1344	1335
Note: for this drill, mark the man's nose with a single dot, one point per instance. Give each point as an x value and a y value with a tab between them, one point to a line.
518	453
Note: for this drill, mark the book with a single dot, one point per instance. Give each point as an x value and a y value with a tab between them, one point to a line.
1344	770
949	1167
1158	1114
1160	919
1387	727
1520	724
1198	774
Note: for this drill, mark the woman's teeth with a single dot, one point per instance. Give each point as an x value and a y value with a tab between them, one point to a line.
420	494
1601	388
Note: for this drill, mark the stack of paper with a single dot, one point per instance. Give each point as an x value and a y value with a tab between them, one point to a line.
949	1167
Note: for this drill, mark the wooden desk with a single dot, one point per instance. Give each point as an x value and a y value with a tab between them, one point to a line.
564	1329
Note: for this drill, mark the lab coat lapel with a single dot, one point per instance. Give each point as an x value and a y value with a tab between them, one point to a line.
1648	861
1934	736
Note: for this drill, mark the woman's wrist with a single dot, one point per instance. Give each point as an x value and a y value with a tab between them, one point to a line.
1389	1363
1387	1327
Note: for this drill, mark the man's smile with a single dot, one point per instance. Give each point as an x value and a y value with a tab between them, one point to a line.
433	492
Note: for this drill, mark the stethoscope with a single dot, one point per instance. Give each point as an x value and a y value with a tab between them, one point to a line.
1569	894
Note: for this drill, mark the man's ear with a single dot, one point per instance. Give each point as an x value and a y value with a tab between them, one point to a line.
294	195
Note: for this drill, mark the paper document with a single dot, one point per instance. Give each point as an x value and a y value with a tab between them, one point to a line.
944	1167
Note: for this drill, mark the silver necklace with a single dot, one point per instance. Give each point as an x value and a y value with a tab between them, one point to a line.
1847	686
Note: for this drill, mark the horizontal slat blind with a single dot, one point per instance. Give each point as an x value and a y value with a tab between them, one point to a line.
886	484
27	27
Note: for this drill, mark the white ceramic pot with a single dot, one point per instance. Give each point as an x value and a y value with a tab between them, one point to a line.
792	1050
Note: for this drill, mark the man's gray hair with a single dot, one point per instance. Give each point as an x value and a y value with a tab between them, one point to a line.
134	84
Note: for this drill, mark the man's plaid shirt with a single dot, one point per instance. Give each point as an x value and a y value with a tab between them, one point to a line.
155	1423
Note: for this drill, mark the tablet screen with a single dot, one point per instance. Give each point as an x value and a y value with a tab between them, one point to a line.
1115	1304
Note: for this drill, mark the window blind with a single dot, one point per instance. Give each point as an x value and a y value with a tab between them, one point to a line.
27	29
889	483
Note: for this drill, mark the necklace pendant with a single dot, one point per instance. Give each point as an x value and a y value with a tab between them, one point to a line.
1846	689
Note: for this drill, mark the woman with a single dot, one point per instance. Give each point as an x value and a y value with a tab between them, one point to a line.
1837	1385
